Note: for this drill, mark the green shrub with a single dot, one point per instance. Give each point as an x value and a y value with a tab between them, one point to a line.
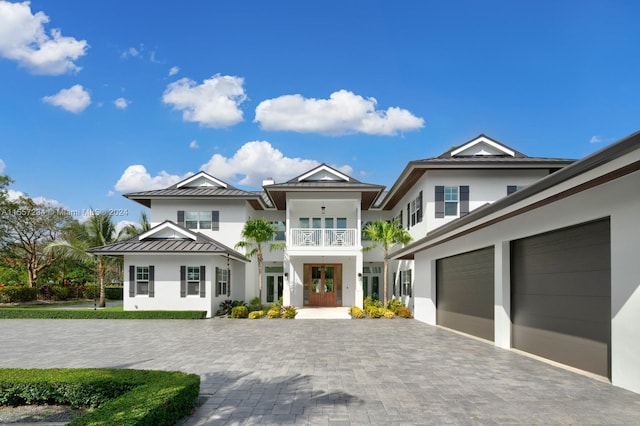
371	302
289	312
395	304
356	312
227	305
91	291
97	314
373	311
122	397
113	292
256	314
61	292
18	294
273	312
239	312
404	312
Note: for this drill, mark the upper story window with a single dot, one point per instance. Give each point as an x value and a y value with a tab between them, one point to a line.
451	201
513	188
415	210
209	220
280	230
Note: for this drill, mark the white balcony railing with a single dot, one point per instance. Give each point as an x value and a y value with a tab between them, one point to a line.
315	237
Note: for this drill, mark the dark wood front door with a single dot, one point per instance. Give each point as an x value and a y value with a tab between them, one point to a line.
322	285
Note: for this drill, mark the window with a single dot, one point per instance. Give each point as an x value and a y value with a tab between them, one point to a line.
513	188
415	210
365	236
193	280
280	230
142	280
405	283
399	219
223	286
199	219
341	222
450	200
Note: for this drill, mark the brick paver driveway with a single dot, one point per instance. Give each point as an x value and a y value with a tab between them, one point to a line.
329	371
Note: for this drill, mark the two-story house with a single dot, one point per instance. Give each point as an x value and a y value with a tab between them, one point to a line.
187	260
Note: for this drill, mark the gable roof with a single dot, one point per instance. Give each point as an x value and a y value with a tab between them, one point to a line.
168	237
200	185
468	156
478	218
323	178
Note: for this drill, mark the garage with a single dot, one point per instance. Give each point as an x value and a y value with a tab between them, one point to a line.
464	289
561	296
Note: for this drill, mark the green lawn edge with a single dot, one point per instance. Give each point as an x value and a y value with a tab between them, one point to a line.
14	313
155	397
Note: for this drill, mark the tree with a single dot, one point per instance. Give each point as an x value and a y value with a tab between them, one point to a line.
385	234
99	230
255	234
133	230
26	228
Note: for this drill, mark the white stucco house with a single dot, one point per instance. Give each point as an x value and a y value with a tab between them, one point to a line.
551	270
187	259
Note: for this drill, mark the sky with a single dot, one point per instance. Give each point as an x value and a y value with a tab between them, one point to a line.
98	99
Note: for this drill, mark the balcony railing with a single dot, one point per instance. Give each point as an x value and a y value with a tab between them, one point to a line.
315	237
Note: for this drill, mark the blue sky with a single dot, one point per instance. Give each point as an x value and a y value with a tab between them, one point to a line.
104	98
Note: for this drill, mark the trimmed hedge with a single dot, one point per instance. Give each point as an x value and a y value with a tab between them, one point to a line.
122	397
17	294
113	293
14	313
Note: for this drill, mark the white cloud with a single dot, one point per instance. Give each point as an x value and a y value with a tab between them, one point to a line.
75	99
595	139
137	178
214	103
14	195
2	166
194	144
110	193
133	52
23	39
121	103
343	113
256	161
174	71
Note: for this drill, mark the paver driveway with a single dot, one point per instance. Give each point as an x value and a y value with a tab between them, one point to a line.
329	371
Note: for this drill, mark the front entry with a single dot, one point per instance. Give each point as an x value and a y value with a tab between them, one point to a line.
323	284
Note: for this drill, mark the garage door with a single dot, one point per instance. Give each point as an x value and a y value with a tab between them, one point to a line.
561	296
465	292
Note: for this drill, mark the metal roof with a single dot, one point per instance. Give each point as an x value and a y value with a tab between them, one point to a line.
144	197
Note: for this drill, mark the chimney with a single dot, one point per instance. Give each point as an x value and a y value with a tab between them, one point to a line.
268	181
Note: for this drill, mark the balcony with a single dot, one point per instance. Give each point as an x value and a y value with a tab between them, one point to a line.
317	237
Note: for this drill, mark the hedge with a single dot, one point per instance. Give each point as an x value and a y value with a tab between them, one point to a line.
122	397
16	294
14	313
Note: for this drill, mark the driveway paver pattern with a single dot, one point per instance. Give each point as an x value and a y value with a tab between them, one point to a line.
328	372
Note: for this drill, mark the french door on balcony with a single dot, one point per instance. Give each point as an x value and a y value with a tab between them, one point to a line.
322	284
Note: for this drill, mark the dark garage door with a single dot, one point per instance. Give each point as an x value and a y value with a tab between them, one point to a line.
465	292
561	296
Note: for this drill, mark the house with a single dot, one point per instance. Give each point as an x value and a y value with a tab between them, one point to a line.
186	261
551	270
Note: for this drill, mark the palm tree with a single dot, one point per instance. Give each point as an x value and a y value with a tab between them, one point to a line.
99	230
385	234
255	234
135	229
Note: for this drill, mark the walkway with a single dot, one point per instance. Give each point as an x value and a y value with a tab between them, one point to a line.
337	372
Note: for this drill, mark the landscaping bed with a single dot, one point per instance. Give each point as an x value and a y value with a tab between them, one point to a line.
47	313
111	396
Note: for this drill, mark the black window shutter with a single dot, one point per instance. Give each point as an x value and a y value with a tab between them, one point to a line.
203	286
152	287
410	283
215	220
464	200
393	287
181	217
132	281
401	219
229	282
419	206
408	215
217	276
439	201
183	281
511	189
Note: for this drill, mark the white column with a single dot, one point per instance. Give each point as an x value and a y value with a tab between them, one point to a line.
502	294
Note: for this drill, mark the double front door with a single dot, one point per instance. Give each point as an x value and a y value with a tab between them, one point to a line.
323	285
